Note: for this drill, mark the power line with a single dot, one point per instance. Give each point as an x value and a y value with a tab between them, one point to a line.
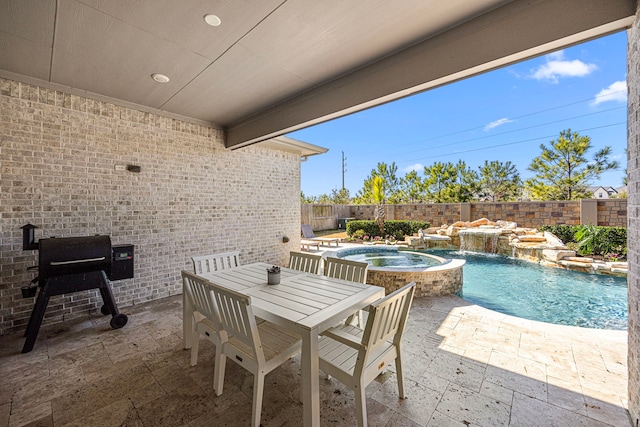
557	107
517	142
511	131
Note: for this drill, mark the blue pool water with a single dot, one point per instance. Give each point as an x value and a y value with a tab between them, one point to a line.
551	295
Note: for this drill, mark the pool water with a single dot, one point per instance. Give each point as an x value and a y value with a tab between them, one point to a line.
551	295
393	259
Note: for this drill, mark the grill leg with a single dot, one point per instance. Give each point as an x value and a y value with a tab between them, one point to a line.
36	319
118	320
107	296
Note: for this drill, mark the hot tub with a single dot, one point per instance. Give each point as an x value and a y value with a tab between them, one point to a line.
391	268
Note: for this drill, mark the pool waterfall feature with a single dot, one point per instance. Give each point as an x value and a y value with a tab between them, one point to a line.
479	240
443	278
506	239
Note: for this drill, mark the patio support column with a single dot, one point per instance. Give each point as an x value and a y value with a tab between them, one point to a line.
633	217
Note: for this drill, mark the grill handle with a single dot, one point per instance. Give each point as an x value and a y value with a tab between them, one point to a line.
77	261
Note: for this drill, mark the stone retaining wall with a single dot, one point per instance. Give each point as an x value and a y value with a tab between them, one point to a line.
532	214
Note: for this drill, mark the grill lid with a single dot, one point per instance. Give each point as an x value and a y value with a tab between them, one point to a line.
71	255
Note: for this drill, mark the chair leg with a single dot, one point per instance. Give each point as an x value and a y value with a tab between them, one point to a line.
195	343
258	392
361	404
400	376
218	372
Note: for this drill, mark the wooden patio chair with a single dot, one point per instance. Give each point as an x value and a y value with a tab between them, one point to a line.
345	269
353	271
259	348
356	357
206	320
308	263
215	262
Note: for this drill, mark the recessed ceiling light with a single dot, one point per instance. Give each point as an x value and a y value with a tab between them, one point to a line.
160	78
212	20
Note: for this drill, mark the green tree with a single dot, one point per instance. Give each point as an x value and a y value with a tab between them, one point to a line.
499	181
391	182
562	170
465	186
306	199
340	197
411	188
437	178
451	183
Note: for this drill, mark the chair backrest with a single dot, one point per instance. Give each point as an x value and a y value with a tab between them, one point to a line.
309	263
307	231
215	262
387	319
339	268
200	296
237	319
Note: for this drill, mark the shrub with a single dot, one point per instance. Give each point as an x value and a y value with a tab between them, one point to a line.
399	229
564	232
591	239
358	234
594	240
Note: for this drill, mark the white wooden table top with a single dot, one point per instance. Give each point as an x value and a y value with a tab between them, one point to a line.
309	301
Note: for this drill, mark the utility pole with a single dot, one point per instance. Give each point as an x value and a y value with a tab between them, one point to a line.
344	168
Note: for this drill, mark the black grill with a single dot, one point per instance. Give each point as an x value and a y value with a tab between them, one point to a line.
73	255
73	264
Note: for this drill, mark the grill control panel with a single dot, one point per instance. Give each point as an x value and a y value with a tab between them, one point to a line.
122	263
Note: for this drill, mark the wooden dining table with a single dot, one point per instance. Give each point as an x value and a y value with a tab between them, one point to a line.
304	303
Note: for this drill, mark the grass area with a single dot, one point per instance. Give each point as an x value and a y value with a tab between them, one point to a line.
331	233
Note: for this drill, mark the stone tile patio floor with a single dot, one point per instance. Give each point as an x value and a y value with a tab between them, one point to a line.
464	366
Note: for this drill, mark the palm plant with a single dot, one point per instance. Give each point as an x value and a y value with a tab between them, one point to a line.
378	197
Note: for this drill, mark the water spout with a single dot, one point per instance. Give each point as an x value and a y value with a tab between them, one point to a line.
480	240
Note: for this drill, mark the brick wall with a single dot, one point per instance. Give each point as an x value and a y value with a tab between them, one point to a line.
435	214
58	154
633	231
530	214
612	212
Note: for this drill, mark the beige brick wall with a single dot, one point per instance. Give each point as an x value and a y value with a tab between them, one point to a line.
633	209
58	154
529	214
612	212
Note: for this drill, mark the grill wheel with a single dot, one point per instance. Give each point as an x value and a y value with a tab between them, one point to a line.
118	321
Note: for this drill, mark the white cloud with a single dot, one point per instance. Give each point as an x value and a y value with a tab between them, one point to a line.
616	92
417	167
557	67
497	123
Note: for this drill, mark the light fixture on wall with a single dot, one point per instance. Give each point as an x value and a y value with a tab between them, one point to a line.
212	20
160	78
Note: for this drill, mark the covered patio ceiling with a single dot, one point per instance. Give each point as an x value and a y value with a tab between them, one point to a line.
274	66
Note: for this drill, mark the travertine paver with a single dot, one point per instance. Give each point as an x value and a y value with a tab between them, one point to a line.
464	366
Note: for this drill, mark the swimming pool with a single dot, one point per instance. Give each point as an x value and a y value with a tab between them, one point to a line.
551	295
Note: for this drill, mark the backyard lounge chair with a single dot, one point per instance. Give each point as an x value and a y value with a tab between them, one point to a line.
308	234
308	244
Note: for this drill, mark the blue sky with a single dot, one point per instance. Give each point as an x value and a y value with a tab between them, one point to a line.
502	115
